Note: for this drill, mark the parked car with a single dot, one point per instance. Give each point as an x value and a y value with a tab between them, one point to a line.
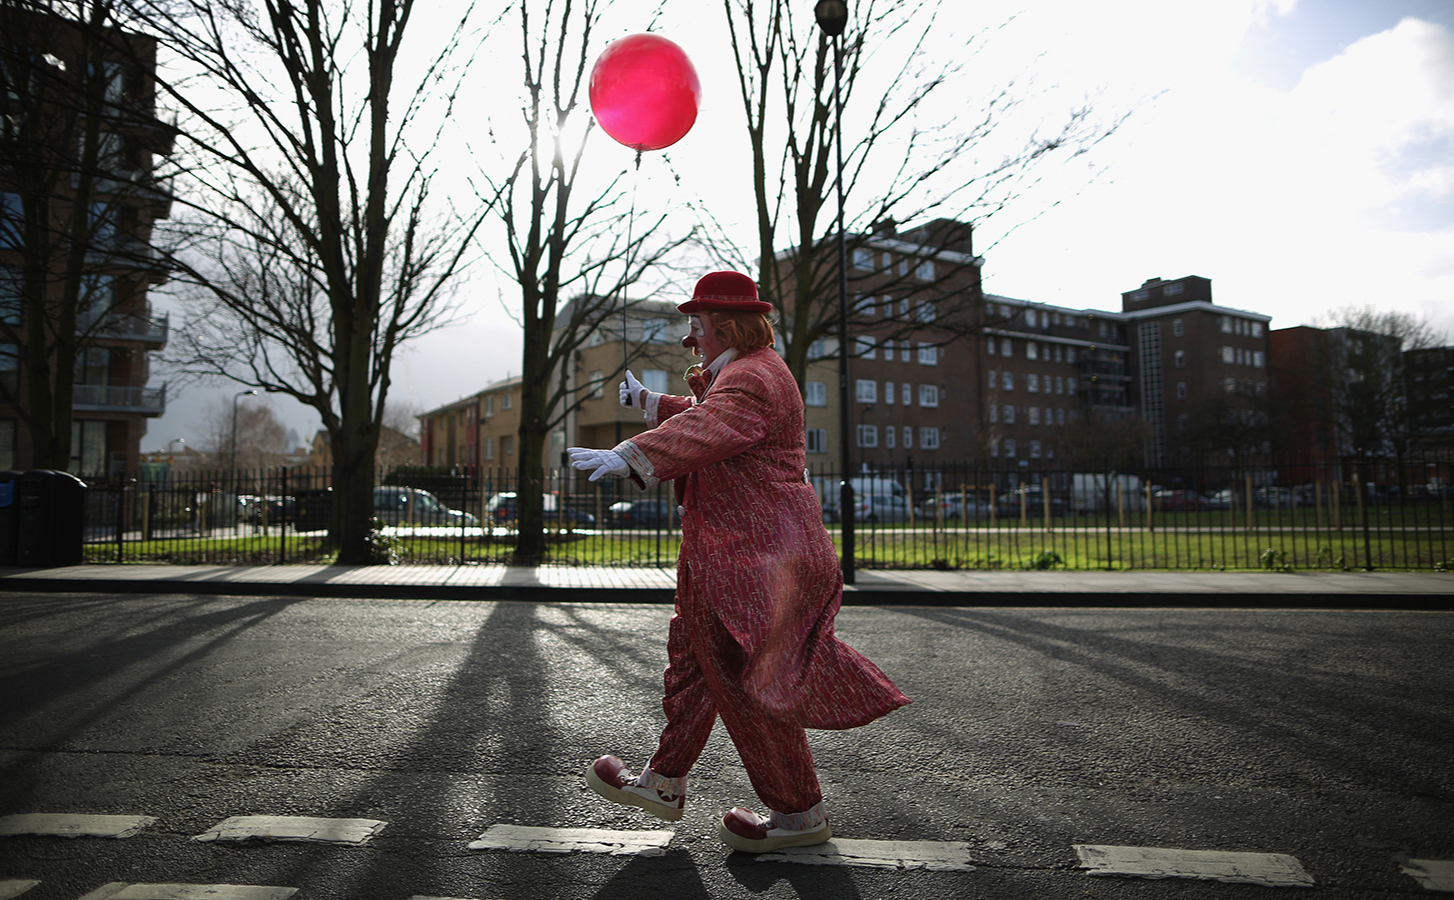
1008	503
1179	501
953	506
411	506
500	509
1272	497
643	514
881	508
393	505
1221	499
273	510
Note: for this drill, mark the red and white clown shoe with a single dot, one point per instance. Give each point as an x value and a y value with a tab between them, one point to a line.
663	797
743	829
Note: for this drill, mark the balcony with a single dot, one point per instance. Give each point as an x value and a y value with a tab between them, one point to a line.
141	401
133	327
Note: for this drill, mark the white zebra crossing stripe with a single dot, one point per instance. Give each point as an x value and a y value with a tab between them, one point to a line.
63	825
1433	874
292	828
1266	869
14	887
121	890
936	856
524	839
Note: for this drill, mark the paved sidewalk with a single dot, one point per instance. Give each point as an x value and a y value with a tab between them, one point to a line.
1393	590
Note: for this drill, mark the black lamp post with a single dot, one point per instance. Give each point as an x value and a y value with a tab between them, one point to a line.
239	395
832	16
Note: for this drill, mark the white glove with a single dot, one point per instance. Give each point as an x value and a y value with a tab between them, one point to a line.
631	392
603	462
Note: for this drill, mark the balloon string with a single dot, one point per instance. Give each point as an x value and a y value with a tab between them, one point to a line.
630	254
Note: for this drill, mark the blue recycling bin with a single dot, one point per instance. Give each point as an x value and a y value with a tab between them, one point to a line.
9	515
51	519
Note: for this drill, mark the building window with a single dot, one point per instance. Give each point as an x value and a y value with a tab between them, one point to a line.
1226	323
1034	449
1030	320
489	405
818	349
654	380
907	395
817	393
928	395
891	434
863	259
1182	420
889	350
1259	359
928	438
867	391
11	298
1070	387
1007	380
489	447
991	346
10	369
994	448
1070	354
889	393
505	403
868	435
507	445
863	304
88	448
595	382
1034	412
1032	383
1006	348
866	347
1009	448
1031	351
908	438
1179	359
1176	327
928	355
1060	417
1059	353
817	440
926	312
1009	416
1257	329
994	412
653	331
1229	355
11	217
1059	384
1231	385
994	379
925	271
1181	390
1172	289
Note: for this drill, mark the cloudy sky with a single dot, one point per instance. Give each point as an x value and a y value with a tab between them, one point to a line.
1299	153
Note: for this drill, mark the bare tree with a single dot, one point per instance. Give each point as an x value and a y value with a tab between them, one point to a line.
908	160
79	132
575	247
1358	378
320	245
253	439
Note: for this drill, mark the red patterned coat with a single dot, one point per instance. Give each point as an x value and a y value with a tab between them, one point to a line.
755	555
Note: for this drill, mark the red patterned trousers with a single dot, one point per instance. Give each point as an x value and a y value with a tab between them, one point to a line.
703	681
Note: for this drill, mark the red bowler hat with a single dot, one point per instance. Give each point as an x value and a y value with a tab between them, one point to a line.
725	291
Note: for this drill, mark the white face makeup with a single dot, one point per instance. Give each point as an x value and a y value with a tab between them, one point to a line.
707	344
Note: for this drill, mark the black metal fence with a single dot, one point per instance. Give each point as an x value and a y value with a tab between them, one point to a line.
1380	514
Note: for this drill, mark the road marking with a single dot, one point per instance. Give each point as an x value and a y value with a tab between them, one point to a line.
14	887
1266	869
63	825
121	890
523	839
293	828
1433	874
936	856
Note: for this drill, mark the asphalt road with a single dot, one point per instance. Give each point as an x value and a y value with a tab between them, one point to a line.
1328	736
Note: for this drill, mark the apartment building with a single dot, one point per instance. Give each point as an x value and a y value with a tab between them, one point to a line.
78	200
481	430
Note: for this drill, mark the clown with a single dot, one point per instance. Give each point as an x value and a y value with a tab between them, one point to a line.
758	583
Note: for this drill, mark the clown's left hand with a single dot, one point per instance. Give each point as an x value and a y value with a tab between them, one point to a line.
598	462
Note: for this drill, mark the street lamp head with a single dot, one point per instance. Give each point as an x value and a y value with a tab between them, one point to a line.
832	16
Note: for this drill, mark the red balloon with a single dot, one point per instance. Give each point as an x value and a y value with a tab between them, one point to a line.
644	91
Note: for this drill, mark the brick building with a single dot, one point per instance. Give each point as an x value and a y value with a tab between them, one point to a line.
78	199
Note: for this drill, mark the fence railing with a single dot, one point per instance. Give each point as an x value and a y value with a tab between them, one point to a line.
1385	514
